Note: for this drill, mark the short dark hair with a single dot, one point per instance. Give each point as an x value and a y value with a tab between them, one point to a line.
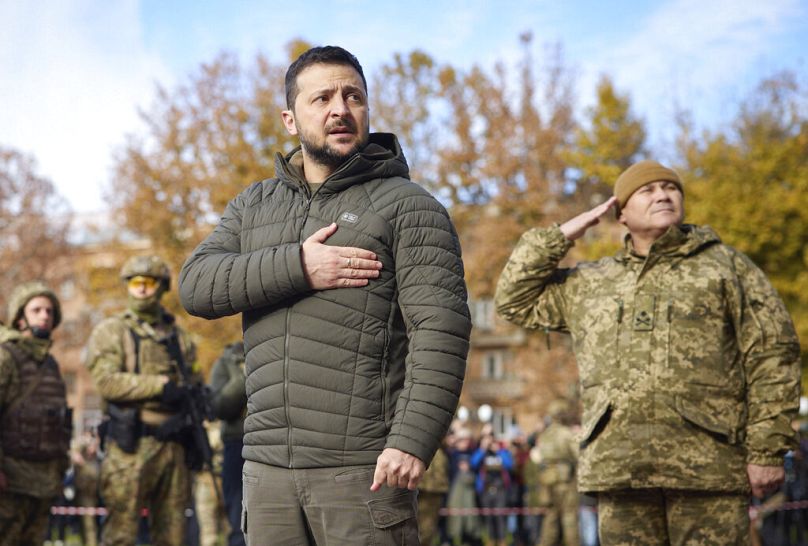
315	55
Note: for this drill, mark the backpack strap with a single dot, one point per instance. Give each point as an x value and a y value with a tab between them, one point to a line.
131	350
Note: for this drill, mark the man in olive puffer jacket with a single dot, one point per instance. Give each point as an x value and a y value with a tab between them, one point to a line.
350	284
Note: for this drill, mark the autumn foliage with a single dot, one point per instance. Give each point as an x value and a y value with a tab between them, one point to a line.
505	147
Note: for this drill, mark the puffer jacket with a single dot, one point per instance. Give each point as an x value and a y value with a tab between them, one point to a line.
688	359
335	376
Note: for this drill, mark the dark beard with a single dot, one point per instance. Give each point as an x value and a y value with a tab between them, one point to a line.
40	333
325	155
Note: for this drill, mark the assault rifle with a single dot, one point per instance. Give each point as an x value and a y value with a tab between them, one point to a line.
196	408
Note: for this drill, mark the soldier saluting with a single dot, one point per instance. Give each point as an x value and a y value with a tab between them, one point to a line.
35	423
130	358
688	360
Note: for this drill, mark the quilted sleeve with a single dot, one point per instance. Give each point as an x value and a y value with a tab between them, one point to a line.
218	279
433	300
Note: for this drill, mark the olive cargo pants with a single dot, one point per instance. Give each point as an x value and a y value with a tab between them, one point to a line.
324	506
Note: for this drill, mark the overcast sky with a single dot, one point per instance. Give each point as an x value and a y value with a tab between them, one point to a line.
74	72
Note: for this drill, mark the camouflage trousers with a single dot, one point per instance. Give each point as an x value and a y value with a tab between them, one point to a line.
209	511
155	476
429	503
89	529
667	517
561	518
23	519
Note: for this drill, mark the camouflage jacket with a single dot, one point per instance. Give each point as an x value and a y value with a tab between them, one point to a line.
129	371
688	359
436	477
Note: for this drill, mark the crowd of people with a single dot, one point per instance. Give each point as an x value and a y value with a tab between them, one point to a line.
478	490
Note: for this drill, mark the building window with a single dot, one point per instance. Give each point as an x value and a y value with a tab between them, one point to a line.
502	422
482	314
493	365
67	291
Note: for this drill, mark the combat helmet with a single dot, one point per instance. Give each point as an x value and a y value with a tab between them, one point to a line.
147	266
25	292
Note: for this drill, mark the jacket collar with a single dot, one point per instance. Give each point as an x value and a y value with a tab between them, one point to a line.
682	240
382	157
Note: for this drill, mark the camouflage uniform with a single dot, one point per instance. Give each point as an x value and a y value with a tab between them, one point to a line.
33	451
431	491
87	471
209	510
128	359
688	359
557	492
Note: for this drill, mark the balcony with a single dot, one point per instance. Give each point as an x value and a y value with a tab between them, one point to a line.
491	390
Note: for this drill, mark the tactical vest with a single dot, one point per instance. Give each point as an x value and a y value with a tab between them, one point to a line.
37	424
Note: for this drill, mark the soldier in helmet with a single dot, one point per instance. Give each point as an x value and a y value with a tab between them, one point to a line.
35	423
133	360
558	493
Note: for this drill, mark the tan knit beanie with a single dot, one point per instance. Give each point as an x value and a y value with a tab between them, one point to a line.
640	174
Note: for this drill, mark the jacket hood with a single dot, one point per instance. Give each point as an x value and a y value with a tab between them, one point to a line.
683	240
382	157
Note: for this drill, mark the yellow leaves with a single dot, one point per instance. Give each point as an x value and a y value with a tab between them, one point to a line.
750	184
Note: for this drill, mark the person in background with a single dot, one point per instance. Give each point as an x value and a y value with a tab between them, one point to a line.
558	455
493	464
463	528
229	401
35	422
87	467
135	359
431	497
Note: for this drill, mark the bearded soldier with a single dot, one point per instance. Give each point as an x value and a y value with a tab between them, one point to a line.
135	359
35	423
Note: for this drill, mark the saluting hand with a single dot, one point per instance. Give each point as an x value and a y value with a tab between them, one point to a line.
575	228
336	266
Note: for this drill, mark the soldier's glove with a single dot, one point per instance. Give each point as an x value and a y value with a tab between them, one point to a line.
173	430
173	396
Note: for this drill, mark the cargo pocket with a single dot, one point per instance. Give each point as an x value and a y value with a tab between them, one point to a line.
394	520
719	426
595	421
362	473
